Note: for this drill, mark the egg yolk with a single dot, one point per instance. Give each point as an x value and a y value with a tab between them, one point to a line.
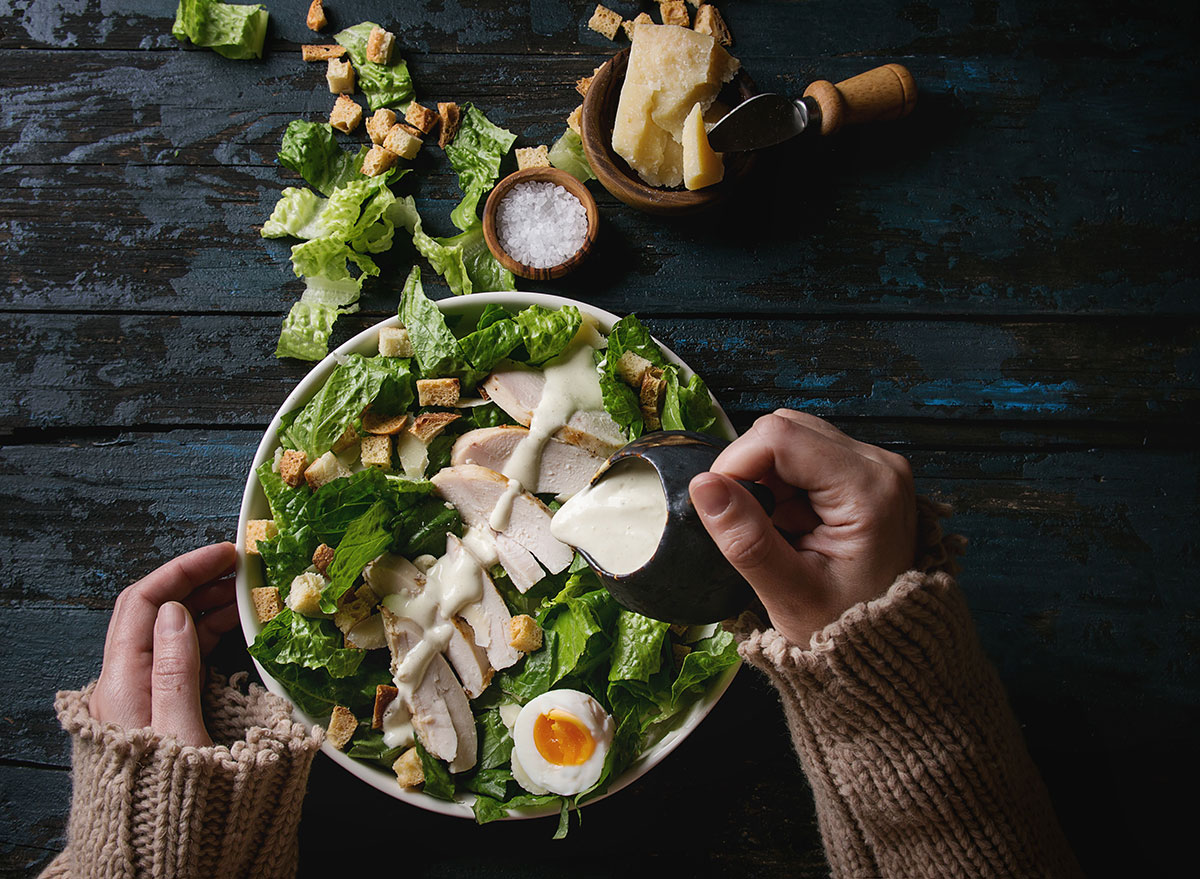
561	738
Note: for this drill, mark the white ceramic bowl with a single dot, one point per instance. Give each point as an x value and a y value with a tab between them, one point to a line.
250	575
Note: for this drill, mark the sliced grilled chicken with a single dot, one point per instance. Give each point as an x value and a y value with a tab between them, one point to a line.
489	619
441	715
522	568
564	468
474	491
518	389
390	574
470	661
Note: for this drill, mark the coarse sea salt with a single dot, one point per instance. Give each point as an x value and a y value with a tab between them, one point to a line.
541	224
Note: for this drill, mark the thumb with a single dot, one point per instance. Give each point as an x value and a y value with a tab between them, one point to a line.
175	678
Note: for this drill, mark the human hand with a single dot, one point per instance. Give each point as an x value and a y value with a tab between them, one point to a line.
152	654
846	510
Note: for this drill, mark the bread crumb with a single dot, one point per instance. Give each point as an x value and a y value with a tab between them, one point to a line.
292	465
321	53
533	157
342	725
346	114
438	391
322	556
421	118
524	633
674	12
408	769
380	124
449	117
606	22
403	141
575	120
709	21
378	160
340	77
384	694
430	424
267	603
316	16
256	530
630	26
379	46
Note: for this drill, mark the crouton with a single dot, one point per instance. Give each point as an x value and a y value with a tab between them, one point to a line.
346	114
291	466
316	16
429	425
709	21
448	117
383	425
395	342
378	161
651	397
352	611
342	724
259	529
321	53
679	651
324	470
408	769
379	45
340	76
380	124
632	368
438	391
575	120
377	451
322	556
524	633
267	603
304	595
606	22
674	12
384	694
367	594
348	438
533	157
403	140
630	26
583	84
421	118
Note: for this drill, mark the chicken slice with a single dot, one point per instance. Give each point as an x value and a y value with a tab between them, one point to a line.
518	389
564	468
470	661
522	568
390	574
440	712
489	621
475	490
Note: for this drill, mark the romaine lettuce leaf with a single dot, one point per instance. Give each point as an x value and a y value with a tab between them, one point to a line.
546	331
438	781
687	407
366	538
330	509
476	153
286	503
463	260
567	155
435	348
287	554
488	809
708	658
637	648
385	85
310	149
368	745
306	330
235	32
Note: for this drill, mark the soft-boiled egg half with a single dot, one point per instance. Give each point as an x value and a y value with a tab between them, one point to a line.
560	739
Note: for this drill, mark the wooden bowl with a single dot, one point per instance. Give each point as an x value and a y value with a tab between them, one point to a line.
599	116
547	175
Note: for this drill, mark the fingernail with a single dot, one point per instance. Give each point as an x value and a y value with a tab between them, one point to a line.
711	497
172	618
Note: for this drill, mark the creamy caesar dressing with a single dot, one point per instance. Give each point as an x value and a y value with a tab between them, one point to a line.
617	520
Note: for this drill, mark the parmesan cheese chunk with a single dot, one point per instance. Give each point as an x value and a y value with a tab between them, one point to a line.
702	166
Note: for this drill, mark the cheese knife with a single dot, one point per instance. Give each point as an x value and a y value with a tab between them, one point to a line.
887	92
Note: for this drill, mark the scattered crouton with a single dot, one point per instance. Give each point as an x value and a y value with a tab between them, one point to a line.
395	342
533	157
379	45
384	694
652	392
575	120
421	118
438	391
267	603
429	425
348	438
342	724
408	769
403	140
383	425
630	26
346	114
316	16
674	12
322	556
292	465
524	633
679	651
340	76
632	368
605	21
709	21
380	124
321	53
583	84
304	594
449	118
378	160
377	451
324	470
259	529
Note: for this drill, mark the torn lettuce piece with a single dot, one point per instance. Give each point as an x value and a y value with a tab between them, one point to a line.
306	330
463	260
311	150
687	407
385	85
567	155
235	32
476	153
435	348
546	332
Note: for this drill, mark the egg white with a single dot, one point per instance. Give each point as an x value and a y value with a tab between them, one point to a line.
538	775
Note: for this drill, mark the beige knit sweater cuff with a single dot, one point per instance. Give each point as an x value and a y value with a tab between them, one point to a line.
916	762
143	805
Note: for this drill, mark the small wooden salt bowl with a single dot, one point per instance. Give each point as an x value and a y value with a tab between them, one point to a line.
599	116
546	175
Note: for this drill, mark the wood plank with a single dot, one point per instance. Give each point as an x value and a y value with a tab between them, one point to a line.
74	371
33	817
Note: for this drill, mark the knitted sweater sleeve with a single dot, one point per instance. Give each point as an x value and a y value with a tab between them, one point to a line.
143	805
916	762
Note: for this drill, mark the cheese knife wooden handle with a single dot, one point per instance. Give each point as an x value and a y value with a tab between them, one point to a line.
887	92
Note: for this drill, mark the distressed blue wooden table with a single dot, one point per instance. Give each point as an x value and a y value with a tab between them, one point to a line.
1003	287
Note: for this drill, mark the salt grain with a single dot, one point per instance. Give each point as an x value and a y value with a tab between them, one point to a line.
541	224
